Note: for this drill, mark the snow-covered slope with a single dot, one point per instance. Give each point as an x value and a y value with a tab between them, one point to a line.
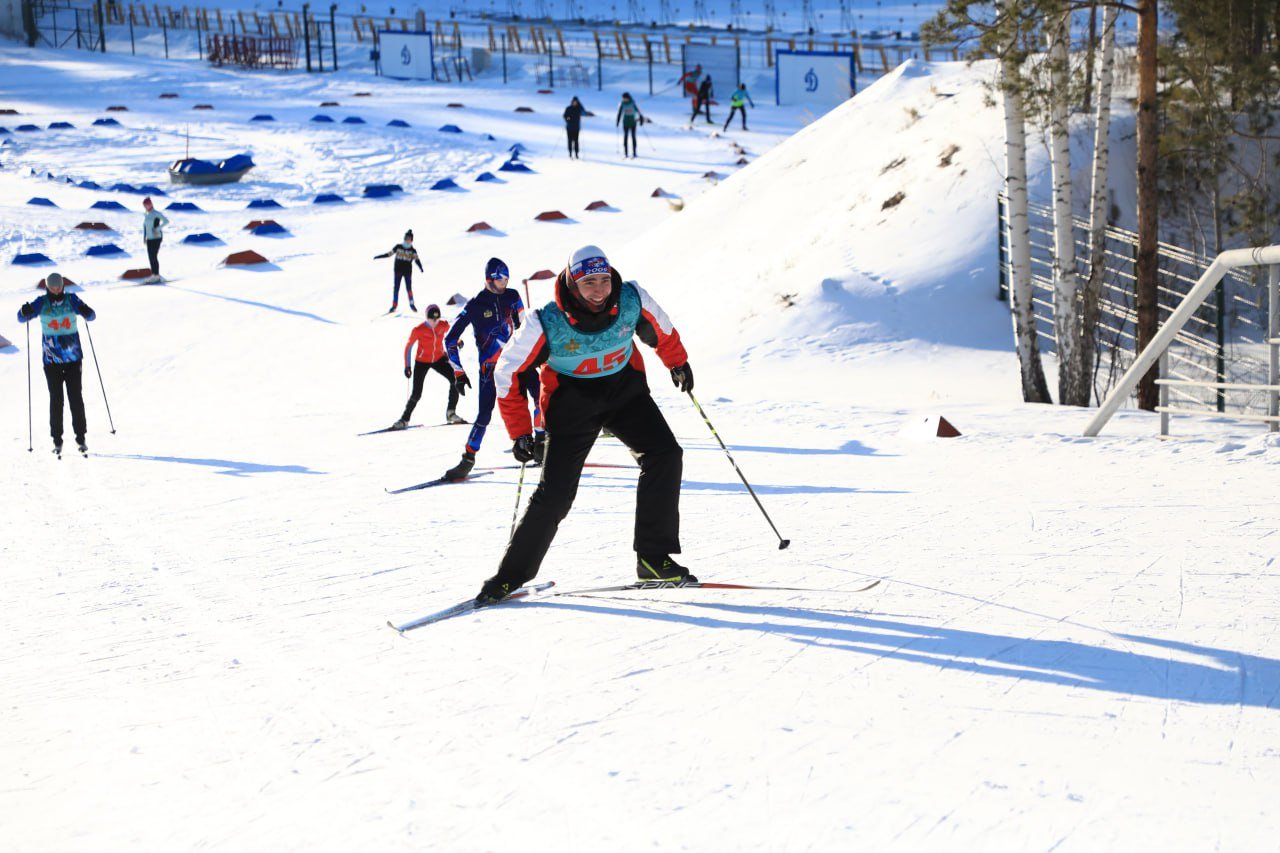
1071	649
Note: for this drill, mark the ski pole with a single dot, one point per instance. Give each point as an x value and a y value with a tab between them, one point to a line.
782	543
98	368
515	514
30	442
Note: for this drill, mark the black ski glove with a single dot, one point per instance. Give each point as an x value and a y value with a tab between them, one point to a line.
462	381
407	372
682	377
522	450
28	311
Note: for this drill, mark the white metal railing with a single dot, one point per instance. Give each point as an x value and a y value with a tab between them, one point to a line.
1157	350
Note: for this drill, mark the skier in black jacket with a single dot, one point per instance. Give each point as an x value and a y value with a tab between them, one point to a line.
703	101
573	124
406	257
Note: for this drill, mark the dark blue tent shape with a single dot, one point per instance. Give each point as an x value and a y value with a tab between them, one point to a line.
149	189
106	122
185	205
107	205
322	117
89	185
516	149
487	176
28	128
513	166
31	258
268	228
490	137
263	117
51	176
263	202
203	237
4	131
329	198
397	122
444	184
381	190
62	125
353	120
42	201
450	128
124	188
103	250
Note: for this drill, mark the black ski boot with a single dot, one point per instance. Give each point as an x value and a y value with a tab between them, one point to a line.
400	424
662	568
492	592
463	468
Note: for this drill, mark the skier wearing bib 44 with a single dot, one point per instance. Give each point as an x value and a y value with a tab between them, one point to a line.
493	315
63	356
593	377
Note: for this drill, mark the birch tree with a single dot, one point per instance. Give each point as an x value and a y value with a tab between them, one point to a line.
1098	199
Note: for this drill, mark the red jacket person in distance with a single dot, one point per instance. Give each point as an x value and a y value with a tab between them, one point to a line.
592	378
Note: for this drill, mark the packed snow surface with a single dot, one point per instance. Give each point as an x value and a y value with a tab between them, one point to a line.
1070	647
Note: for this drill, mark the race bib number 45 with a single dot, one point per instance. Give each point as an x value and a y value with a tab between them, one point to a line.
608	363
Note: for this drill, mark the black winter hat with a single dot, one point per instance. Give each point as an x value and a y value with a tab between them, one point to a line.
408	235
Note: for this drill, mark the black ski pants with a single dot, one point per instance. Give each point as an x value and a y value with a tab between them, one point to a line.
404	273
629	133
56	376
572	133
575	413
153	254
733	110
420	370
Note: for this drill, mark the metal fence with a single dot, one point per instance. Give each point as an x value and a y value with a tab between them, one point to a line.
1224	342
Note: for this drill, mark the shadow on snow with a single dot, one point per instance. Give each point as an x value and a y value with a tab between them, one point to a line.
230	467
1221	677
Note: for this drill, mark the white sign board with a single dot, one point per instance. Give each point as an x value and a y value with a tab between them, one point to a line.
405	56
719	61
821	79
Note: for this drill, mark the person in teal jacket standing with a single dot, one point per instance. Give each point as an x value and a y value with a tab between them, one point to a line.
738	103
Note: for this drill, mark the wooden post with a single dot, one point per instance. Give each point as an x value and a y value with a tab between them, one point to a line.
666	47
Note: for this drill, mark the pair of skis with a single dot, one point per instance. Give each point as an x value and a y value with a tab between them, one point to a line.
412	426
465	607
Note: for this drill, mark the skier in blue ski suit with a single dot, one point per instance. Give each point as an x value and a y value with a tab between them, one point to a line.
493	315
63	356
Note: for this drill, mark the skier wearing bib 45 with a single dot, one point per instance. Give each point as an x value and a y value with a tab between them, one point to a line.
593	377
493	315
63	357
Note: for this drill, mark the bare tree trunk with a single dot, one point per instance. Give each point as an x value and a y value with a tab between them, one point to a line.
1146	267
1073	387
1089	308
1034	387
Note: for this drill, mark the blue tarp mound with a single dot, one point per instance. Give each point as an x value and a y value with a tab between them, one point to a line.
51	176
4	131
263	117
42	201
397	122
28	128
517	148
124	188
328	198
381	190
489	137
89	185
185	205
263	202
444	184
31	258
450	128
514	166
486	176
268	228
353	120
62	125
322	117
106	122
203	237
151	189
107	205
104	249
235	163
